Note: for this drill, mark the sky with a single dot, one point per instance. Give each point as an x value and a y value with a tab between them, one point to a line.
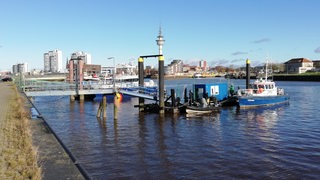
222	32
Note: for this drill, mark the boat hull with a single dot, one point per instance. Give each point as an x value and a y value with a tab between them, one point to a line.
258	101
201	110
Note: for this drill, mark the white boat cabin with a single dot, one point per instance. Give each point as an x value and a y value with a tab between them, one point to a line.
261	88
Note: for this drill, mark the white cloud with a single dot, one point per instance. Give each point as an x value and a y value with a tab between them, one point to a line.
317	50
262	40
238	53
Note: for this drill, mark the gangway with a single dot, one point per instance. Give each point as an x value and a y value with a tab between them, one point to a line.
46	88
141	92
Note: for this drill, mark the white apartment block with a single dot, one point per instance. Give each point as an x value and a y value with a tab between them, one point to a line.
20	68
84	56
53	61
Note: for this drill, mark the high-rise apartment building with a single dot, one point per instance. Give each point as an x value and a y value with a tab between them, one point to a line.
53	61
20	68
175	67
203	65
84	56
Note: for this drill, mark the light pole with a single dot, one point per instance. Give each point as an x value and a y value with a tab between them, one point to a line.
113	74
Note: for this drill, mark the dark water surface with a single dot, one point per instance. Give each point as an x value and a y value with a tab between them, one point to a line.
280	142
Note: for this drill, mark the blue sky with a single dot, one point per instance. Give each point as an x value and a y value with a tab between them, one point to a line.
224	32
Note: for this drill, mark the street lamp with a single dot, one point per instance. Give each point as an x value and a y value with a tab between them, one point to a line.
113	73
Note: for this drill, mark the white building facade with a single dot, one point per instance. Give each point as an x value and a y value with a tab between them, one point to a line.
20	68
53	61
84	56
298	65
174	68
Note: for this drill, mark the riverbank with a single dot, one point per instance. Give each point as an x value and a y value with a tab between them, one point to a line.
18	158
296	77
28	144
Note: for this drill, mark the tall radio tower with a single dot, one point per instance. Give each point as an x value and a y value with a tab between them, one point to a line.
160	41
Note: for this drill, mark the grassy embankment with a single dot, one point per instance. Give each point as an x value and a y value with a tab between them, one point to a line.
315	76
18	158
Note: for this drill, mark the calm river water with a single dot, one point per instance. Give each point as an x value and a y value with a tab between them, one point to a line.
281	142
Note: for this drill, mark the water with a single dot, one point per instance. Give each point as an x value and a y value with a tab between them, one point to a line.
279	142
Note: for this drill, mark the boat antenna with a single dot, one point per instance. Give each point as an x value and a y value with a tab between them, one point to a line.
266	78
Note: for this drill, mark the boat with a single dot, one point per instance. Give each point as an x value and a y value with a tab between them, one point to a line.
198	76
207	98
6	78
119	82
93	77
202	109
262	92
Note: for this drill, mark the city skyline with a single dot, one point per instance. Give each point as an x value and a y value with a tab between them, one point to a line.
220	32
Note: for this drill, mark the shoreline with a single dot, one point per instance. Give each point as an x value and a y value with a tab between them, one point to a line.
19	156
61	154
276	77
51	157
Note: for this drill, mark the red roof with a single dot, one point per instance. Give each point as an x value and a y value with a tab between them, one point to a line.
298	60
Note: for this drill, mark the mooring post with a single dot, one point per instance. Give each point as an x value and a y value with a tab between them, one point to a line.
81	97
104	106
72	98
115	108
161	84
173	98
185	95
99	110
248	73
141	82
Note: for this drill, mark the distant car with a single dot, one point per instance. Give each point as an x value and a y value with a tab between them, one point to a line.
6	79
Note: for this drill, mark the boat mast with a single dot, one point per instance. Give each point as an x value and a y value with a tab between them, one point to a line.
266	78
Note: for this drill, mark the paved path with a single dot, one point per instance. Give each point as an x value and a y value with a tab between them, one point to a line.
54	161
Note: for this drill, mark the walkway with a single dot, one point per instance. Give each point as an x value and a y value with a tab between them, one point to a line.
54	161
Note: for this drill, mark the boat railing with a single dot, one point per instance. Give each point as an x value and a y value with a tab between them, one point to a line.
280	91
251	92
245	92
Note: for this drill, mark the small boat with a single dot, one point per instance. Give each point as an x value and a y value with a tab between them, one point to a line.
203	107
262	92
202	110
198	76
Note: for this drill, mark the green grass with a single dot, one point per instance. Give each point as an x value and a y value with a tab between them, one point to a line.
303	74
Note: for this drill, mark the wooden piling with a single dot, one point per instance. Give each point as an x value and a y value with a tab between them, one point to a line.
185	95
173	98
72	98
174	102
104	106
115	108
102	110
99	110
81	97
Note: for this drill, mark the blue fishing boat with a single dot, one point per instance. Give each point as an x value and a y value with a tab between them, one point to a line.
262	92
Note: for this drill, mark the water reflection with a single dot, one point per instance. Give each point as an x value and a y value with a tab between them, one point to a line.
266	118
212	116
273	142
262	123
102	122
